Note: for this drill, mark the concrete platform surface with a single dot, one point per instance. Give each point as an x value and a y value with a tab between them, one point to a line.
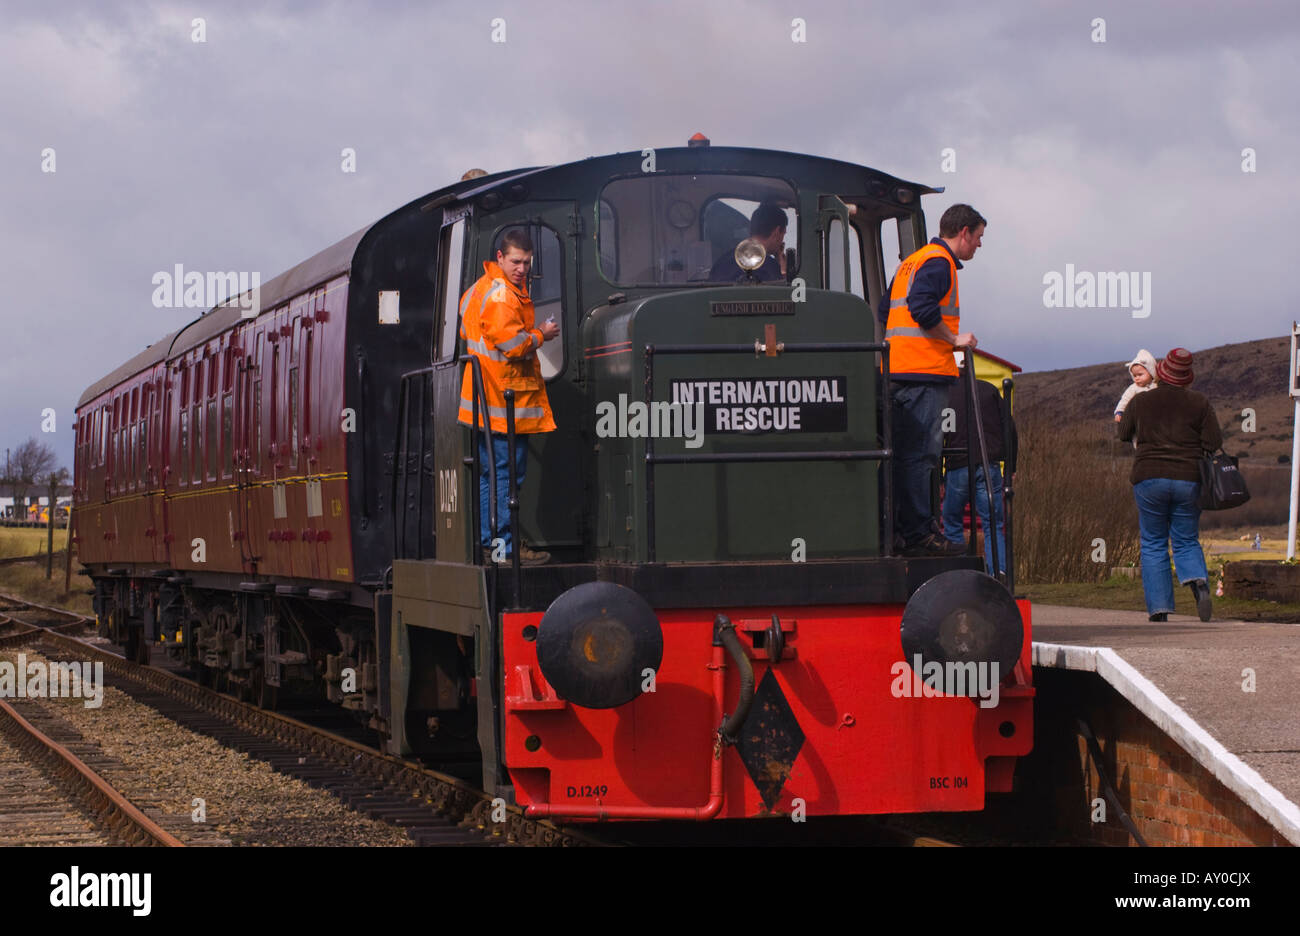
1237	682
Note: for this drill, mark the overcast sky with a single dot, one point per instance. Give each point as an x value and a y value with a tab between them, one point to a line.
1117	156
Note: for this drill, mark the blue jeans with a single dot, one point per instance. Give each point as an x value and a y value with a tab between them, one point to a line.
918	443
956	494
1168	509
501	457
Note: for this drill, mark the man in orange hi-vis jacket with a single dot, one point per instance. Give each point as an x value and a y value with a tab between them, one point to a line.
922	316
496	321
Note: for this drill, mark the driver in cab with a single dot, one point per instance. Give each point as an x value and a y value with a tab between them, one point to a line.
767	225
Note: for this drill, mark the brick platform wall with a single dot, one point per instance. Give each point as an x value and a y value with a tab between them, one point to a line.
1170	797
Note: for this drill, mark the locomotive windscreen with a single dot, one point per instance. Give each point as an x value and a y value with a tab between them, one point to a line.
667	228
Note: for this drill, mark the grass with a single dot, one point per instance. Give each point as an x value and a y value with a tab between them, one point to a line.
27	580
1125	594
26	541
1072	502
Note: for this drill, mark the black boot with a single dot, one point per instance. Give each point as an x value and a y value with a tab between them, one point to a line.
1201	593
1160	618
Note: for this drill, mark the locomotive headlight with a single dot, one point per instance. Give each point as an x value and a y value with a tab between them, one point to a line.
750	254
596	642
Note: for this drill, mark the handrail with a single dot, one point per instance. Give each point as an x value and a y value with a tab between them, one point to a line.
477	393
512	501
1008	484
401	455
974	417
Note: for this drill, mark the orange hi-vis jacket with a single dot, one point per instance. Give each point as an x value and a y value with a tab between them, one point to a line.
911	350
496	321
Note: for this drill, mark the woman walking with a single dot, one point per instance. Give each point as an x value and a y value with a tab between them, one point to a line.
1173	426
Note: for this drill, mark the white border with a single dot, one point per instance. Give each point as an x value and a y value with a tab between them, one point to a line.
1226	767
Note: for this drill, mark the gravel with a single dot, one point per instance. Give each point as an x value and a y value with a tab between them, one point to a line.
168	767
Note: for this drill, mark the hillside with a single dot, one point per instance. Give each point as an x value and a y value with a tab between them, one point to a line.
1234	377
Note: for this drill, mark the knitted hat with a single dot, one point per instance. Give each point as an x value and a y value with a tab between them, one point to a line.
1146	359
1176	368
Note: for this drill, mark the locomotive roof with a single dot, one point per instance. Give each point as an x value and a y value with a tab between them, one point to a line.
707	158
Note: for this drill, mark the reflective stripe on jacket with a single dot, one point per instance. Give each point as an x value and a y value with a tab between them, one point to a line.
496	321
911	350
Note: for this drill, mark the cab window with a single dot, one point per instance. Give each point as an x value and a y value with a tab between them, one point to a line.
683	228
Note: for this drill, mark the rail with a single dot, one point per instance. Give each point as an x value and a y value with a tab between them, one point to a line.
114	810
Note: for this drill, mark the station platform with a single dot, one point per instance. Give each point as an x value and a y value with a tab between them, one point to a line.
1193	681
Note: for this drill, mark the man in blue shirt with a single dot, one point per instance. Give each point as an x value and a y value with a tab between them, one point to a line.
768	225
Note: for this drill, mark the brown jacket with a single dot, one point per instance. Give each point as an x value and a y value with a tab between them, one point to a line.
1173	426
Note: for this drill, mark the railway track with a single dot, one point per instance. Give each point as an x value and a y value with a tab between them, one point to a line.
433	808
50	796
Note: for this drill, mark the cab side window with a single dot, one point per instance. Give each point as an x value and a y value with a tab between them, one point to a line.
451	253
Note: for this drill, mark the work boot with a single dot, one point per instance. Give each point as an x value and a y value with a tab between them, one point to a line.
530	556
527	556
1201	592
1160	618
934	545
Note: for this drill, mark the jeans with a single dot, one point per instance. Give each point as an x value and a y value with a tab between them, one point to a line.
956	494
918	443
1168	509
501	457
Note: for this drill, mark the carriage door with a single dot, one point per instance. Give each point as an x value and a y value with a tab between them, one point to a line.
242	455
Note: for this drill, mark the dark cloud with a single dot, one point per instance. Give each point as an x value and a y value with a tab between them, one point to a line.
226	155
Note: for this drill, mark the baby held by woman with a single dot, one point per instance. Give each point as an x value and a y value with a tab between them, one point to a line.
1143	370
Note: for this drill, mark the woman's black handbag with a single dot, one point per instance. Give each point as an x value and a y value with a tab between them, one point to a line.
1222	485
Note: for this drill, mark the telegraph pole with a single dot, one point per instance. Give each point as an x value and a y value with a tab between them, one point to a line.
49	536
1295	442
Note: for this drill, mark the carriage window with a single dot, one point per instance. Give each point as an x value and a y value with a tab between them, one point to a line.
185	445
305	402
453	264
196	422
210	439
546	288
668	228
227	434
293	417
142	473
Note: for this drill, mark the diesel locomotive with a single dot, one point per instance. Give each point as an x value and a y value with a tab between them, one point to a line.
281	495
